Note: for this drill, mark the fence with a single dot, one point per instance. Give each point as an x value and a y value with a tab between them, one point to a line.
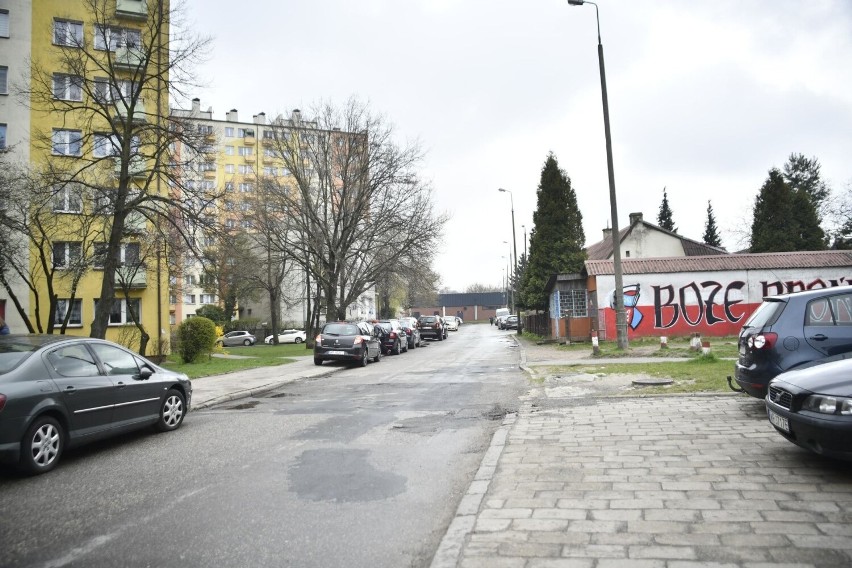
539	324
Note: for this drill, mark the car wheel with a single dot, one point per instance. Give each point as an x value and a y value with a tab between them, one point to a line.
219	344
397	349
297	340
406	346
440	336
172	411
317	361
364	360
378	356
42	446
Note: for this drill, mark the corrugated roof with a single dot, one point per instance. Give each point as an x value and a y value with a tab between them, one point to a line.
766	261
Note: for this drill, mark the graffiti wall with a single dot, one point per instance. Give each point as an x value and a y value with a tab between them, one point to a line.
710	303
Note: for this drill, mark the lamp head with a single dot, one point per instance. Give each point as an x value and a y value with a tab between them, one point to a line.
576	2
501	189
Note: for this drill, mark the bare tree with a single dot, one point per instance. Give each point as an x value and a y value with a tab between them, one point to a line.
357	206
109	101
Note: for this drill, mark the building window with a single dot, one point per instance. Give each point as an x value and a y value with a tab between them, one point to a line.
123	311
244	150
4	80
62	308
229	205
205	129
269	152
67	33
208	298
246	224
116	37
230	223
189	280
4	23
572	303
245	169
245	206
105	145
67	142
229	168
189	299
128	255
268	171
229	131
172	319
68	199
229	186
229	150
65	255
245	187
67	87
2	136
244	132
172	299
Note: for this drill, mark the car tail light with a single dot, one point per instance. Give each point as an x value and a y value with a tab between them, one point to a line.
407	332
358	340
393	335
763	340
2	401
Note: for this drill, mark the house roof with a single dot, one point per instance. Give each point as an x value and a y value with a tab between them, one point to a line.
757	261
603	249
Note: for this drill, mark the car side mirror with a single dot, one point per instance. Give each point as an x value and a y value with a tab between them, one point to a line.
144	374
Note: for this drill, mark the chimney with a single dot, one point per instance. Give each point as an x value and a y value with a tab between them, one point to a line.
607	233
260	118
231	115
635	218
196	106
296	116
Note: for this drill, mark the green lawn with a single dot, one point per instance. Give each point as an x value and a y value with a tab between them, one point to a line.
260	355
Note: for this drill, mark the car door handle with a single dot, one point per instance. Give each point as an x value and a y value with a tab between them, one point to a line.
70	389
819	337
120	385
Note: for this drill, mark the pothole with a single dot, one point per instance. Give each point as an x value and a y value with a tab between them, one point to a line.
244	406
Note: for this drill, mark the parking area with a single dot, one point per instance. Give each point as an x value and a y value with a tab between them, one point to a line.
664	481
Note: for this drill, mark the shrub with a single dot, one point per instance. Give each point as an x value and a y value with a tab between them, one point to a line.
197	337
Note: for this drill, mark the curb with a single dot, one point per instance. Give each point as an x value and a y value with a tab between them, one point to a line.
255	391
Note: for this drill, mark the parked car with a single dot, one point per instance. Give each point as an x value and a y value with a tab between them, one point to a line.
452	323
812	406
233	338
432	326
288	336
511	322
58	392
393	337
344	341
412	331
789	330
500	315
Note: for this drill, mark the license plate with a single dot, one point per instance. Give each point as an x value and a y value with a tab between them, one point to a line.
779	421
335	353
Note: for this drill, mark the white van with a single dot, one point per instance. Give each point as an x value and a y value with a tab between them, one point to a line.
500	316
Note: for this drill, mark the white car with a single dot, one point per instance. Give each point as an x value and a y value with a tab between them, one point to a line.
288	336
452	323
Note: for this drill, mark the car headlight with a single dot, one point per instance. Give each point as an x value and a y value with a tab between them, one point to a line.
828	405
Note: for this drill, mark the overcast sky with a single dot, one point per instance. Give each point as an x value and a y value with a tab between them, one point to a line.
705	97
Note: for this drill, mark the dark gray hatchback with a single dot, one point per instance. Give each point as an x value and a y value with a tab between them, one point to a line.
789	330
58	391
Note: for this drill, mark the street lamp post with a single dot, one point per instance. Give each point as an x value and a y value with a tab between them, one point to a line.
515	250
620	319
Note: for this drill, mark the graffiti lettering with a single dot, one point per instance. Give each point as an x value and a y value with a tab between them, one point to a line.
705	305
789	286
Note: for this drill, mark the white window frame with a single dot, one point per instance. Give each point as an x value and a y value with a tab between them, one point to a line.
68	199
71	252
62	307
4	23
229	150
189	299
229	131
67	87
116	37
122	311
4	80
3	129
67	33
229	168
245	187
229	186
105	145
125	251
67	142
207	299
245	150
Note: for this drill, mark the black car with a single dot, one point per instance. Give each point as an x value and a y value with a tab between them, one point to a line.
511	322
812	406
789	330
393	337
432	326
344	341
57	392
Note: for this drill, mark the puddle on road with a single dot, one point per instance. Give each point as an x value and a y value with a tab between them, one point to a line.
243	406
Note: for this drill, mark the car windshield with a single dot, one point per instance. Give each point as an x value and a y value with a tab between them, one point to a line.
386	326
341	329
13	354
765	314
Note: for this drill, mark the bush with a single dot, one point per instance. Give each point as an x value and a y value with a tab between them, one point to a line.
212	312
196	337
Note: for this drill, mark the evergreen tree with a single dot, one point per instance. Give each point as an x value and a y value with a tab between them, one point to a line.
803	175
557	240
784	219
711	233
664	218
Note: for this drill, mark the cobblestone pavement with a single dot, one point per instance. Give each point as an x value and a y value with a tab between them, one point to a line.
657	481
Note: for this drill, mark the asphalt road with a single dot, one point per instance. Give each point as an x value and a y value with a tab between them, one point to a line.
362	468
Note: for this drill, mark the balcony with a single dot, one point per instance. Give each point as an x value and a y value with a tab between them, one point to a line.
249	139
122	112
131	277
135	169
131	9
209	174
128	58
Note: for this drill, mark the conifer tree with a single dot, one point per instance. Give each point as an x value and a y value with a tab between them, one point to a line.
711	232
664	218
557	240
784	219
